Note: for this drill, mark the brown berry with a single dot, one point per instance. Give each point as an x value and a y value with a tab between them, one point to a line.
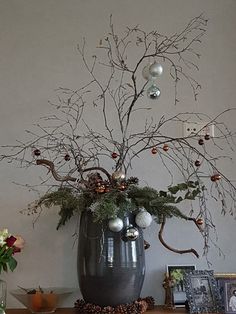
200	221
207	137
201	141
154	150
67	157
217	176
100	188
197	163
37	152
213	178
165	147
114	155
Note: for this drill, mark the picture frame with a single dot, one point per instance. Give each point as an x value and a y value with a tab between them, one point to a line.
202	292
177	272
227	284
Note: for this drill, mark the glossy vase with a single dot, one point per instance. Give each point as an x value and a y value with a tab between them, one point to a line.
3	296
110	269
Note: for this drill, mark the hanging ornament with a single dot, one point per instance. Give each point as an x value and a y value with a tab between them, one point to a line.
116	224
131	233
217	176
153	92
165	147
197	163
155	69
154	150
118	175
37	152
207	137
67	157
213	178
122	186
143	219
100	188
201	141
200	221
114	155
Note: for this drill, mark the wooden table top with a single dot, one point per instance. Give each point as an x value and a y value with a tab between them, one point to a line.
156	310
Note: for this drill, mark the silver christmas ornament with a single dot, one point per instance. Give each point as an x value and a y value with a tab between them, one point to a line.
143	219
115	225
131	233
118	175
155	69
153	92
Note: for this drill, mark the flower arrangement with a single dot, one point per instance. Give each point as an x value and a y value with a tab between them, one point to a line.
9	245
69	146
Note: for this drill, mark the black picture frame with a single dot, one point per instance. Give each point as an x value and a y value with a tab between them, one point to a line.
202	292
179	293
221	279
230	296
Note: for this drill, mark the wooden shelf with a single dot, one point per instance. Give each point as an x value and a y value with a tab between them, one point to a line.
156	310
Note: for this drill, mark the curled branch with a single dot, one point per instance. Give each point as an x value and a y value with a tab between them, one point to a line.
171	248
49	164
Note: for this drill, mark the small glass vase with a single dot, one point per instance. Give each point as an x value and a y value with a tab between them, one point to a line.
3	296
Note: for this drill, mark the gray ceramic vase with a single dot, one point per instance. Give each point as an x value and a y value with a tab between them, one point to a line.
111	270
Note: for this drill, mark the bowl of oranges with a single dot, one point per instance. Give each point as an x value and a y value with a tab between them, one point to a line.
41	300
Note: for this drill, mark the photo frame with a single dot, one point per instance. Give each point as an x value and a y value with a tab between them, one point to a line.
227	284
202	292
177	272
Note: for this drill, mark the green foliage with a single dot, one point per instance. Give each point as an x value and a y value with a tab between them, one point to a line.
6	258
160	204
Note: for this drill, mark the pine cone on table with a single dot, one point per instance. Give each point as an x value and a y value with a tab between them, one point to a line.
121	309
150	301
79	306
108	310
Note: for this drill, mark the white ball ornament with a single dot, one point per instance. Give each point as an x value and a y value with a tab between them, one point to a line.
118	175
115	225
143	219
155	69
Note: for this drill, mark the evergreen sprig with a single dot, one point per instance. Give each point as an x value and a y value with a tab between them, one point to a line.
160	204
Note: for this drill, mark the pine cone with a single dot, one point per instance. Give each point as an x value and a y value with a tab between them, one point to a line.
150	301
79	306
108	310
121	309
132	180
141	306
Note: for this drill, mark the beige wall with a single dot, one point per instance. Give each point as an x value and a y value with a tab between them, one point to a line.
38	54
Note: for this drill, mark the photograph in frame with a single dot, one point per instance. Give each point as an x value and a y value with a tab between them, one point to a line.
221	278
202	292
177	273
230	296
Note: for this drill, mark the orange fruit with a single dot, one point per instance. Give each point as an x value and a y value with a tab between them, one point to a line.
36	301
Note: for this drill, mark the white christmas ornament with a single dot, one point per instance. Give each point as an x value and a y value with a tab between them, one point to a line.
155	69
143	219
115	225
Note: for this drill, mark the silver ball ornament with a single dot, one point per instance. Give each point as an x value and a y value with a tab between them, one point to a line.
155	69
118	175
153	92
115	225
131	233
143	219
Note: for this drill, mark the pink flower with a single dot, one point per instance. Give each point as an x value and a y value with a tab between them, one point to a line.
20	242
